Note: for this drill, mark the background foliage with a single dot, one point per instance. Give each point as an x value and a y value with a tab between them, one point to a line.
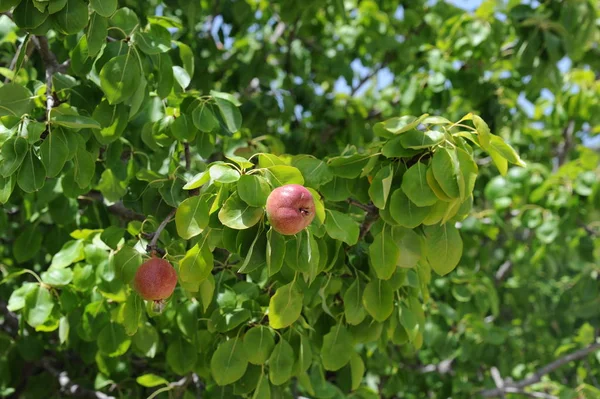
120	115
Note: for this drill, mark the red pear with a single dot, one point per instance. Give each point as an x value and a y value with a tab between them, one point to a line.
290	209
155	280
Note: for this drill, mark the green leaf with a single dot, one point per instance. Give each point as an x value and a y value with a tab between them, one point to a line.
15	99
54	152
229	112
112	340
63	329
443	247
224	173
191	217
154	40
71	252
405	212
120	77
96	34
204	119
57	277
483	131
498	145
164	64
146	340
207	290
314	171
75	121
226	319
378	299
196	265
106	8
409	244
341	227
182	77
417	139
280	175
337	348
275	251
379	189
349	166
187	57
435	187
27	244
132	314
197	181
39	303
414	185
229	363
384	254
7	185
126	262
238	215
398	125
258	344
13	153
394	149
181	356
84	167
468	169
285	306
6	5
446	171
32	174
183	129
357	370
353	308
73	17
27	16
125	19
151	380
253	190
281	363
263	389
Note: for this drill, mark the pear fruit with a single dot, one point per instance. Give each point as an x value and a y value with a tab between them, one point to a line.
155	280
290	209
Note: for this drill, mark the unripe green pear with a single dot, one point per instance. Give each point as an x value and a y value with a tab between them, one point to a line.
290	209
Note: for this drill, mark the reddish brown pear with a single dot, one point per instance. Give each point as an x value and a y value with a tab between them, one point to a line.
155	280
290	209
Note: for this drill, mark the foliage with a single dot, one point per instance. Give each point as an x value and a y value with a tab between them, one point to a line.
436	255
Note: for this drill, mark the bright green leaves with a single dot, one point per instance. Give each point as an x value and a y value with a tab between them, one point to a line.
113	341
379	189
73	17
378	299
280	175
228	109
443	247
405	212
414	185
203	118
238	215
15	99
13	153
126	262
337	348
32	174
195	266
275	251
384	254
499	151
354	311
446	171
258	344
39	303
397	125
84	165
285	306
253	190
154	40
315	171
348	166
281	363
341	227
71	252
229	363
191	217
120	77
106	8
55	152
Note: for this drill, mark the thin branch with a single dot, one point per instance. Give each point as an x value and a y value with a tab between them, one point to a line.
367	78
358	204
541	395
537	376
11	322
188	158
152	246
117	209
69	387
503	270
565	146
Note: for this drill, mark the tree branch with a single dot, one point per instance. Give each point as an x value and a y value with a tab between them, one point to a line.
509	386
367	78
70	388
117	209
152	246
370	218
565	146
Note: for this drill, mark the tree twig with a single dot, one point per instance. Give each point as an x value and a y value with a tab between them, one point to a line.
152	246
565	146
367	78
69	387
188	158
503	270
510	386
11	322
117	209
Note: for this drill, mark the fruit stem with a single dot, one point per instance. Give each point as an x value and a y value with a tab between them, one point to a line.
152	246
